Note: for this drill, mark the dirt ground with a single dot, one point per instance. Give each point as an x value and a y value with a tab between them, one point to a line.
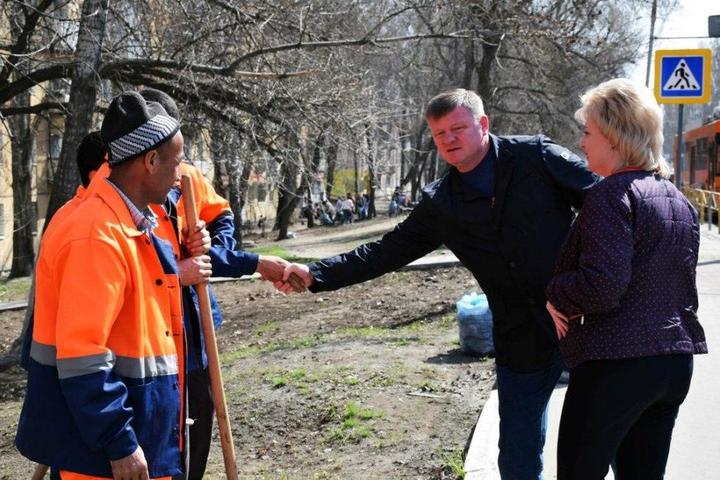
365	382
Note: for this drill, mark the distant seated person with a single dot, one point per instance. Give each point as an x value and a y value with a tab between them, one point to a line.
348	208
326	219
328	208
393	207
338	210
307	212
363	207
402	199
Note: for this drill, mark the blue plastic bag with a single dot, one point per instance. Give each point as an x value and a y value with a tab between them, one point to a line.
474	319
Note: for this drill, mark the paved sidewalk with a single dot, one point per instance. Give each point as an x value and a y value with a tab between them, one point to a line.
695	449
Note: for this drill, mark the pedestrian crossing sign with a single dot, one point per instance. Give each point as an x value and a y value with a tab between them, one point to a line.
682	76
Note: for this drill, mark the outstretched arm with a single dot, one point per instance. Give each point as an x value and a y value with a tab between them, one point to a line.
413	238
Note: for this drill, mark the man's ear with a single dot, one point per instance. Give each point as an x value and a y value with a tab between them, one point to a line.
151	160
485	124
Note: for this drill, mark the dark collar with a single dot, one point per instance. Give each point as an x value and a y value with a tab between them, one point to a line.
504	164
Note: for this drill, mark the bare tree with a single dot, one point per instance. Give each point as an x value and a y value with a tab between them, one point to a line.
83	95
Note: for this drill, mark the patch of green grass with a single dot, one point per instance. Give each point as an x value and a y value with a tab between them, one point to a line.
297	379
360	432
426	386
279	251
256	350
369	414
351	380
453	462
349	423
382	380
412	333
279	381
15	289
303	389
447	320
353	426
266	328
276	250
351	410
391	440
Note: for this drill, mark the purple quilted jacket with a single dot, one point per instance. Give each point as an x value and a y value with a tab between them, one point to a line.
628	265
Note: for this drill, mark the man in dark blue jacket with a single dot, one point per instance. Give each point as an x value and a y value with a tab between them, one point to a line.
503	209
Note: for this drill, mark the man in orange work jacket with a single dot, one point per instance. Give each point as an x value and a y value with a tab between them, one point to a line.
106	361
91	158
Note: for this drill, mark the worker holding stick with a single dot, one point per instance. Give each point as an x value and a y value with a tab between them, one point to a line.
204	249
106	369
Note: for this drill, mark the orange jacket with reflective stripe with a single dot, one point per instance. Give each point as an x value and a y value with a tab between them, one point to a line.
106	368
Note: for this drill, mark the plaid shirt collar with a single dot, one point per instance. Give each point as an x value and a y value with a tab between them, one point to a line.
144	220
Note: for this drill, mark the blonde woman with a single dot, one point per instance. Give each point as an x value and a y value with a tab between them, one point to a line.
623	298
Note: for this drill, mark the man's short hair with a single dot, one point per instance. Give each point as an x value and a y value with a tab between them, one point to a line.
90	155
444	103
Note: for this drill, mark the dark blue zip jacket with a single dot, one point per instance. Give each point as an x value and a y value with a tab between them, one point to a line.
509	242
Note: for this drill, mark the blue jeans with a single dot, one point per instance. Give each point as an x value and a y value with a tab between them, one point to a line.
523	398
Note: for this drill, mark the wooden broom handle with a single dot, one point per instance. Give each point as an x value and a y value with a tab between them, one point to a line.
216	381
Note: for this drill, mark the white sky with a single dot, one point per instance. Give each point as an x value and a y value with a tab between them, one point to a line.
690	19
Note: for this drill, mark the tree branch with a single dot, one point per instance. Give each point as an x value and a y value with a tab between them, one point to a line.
21	45
38	108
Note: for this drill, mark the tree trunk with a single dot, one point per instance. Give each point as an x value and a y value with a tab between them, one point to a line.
23	152
220	177
234	169
332	153
371	213
469	63
288	196
485	67
83	94
219	151
356	171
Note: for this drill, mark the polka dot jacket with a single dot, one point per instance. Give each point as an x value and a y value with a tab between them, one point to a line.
628	267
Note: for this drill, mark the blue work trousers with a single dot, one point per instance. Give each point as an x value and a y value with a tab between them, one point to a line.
523	399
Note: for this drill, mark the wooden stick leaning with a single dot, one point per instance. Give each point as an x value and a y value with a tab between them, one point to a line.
40	471
216	381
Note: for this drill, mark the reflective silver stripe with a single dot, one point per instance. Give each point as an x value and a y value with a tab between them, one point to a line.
77	366
43	354
145	367
128	367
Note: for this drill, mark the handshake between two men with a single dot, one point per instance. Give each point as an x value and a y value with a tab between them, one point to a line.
197	266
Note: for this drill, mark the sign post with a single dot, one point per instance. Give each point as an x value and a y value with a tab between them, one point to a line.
682	76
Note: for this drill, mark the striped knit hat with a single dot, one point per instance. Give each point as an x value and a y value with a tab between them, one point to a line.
133	126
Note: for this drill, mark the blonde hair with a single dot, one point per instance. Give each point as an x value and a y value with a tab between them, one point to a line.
630	118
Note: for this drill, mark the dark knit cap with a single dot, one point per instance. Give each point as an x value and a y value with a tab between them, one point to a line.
167	102
133	126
